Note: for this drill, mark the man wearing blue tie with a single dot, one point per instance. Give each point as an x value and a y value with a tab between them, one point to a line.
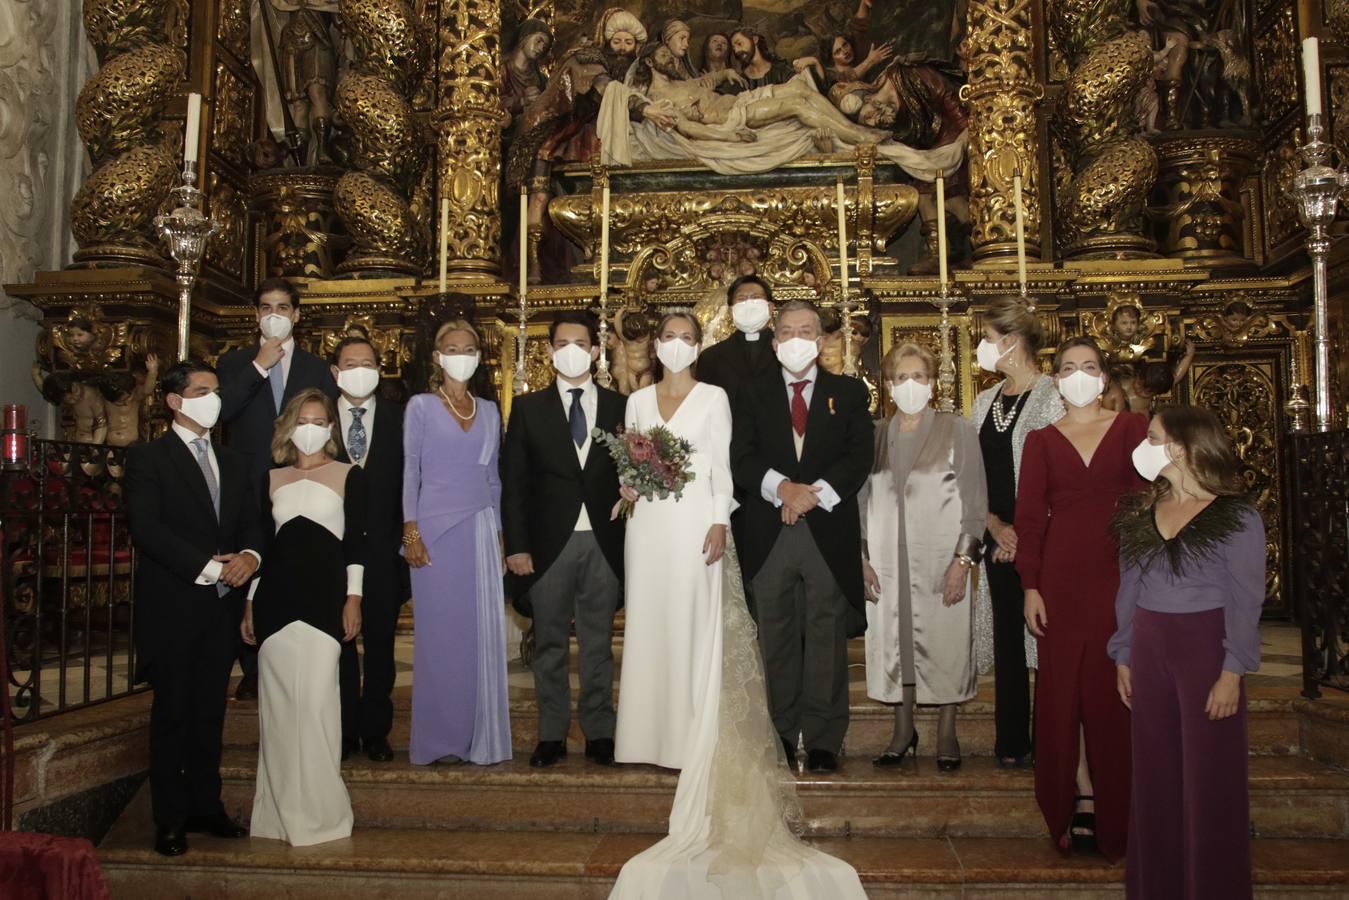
255	384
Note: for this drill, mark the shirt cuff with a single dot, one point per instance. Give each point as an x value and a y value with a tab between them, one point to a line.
257	556
772	480
827	496
261	371
211	573
355	580
1122	657
1232	663
253	588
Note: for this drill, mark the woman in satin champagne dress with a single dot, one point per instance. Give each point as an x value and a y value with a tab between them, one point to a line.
923	516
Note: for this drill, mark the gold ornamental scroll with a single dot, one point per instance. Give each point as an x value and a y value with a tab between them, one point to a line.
1002	94
468	136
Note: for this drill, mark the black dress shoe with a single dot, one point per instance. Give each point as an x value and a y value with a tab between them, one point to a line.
547	753
248	688
821	761
378	749
170	841
219	825
601	751
350	746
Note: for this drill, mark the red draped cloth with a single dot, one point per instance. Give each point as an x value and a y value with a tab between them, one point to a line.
42	866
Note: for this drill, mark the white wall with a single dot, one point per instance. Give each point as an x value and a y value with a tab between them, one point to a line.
44	61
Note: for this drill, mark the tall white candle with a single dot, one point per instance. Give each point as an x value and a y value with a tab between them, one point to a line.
1311	74
841	203
1020	232
444	242
524	243
941	229
191	136
604	244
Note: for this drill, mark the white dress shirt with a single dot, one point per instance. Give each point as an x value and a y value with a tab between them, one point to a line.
287	354
211	573
590	406
773	479
368	422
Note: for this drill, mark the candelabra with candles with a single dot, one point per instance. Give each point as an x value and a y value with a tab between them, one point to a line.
843	303
187	229
1316	191
946	365
600	173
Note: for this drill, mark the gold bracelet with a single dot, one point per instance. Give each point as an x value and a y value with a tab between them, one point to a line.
411	537
965	561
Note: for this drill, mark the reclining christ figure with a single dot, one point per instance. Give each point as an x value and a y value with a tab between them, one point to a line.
705	115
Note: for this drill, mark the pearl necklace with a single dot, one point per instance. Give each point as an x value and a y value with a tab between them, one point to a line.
472	412
1003	418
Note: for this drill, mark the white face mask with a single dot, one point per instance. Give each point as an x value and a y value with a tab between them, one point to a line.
275	326
1081	388
205	411
459	366
359	382
796	354
675	355
311	438
751	315
571	361
1149	459
911	396
987	355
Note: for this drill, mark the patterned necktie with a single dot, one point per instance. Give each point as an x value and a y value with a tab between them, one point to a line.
577	418
799	410
278	380
204	462
356	439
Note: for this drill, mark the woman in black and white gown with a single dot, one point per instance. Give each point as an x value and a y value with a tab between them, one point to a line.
692	692
301	610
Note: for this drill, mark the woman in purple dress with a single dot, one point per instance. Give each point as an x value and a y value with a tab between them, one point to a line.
451	538
1192	583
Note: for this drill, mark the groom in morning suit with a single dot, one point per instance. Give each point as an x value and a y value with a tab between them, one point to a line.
194	517
563	551
801	448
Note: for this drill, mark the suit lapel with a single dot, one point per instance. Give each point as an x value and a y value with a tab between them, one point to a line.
299	366
555	420
820	411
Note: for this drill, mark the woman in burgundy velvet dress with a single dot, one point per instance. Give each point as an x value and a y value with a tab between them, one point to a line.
1073	474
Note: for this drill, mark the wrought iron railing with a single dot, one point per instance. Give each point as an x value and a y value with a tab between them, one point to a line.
68	570
1318	520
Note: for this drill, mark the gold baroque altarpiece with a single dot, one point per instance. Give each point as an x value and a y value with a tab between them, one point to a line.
1190	226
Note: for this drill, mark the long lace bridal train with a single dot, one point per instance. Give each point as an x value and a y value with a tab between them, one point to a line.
735	817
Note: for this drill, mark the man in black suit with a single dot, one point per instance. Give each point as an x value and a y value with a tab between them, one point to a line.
371	436
255	384
748	353
195	521
564	552
801	448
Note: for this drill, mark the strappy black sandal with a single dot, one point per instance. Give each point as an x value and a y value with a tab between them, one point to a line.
1082	831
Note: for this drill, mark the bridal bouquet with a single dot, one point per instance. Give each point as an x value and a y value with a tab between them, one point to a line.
654	463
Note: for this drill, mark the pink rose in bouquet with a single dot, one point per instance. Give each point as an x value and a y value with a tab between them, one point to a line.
655	463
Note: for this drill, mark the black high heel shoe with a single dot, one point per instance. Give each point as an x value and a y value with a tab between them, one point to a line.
1082	831
890	758
948	763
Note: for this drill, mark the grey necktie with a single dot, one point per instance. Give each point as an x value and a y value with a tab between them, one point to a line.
202	446
356	437
277	377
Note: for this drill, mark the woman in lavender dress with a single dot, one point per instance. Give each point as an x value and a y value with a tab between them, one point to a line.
451	538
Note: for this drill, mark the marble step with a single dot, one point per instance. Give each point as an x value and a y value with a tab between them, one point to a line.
487	865
1272	722
1291	797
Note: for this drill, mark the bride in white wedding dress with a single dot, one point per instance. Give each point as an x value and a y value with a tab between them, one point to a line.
733	828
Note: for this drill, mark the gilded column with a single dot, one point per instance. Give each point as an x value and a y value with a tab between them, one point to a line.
118	114
468	126
1002	94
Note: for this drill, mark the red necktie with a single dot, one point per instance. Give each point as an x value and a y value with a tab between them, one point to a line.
799	410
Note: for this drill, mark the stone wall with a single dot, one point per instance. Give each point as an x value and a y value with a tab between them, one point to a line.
44	60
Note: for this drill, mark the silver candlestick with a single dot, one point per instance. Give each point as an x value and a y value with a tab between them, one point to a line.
1316	190
946	366
186	231
520	384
